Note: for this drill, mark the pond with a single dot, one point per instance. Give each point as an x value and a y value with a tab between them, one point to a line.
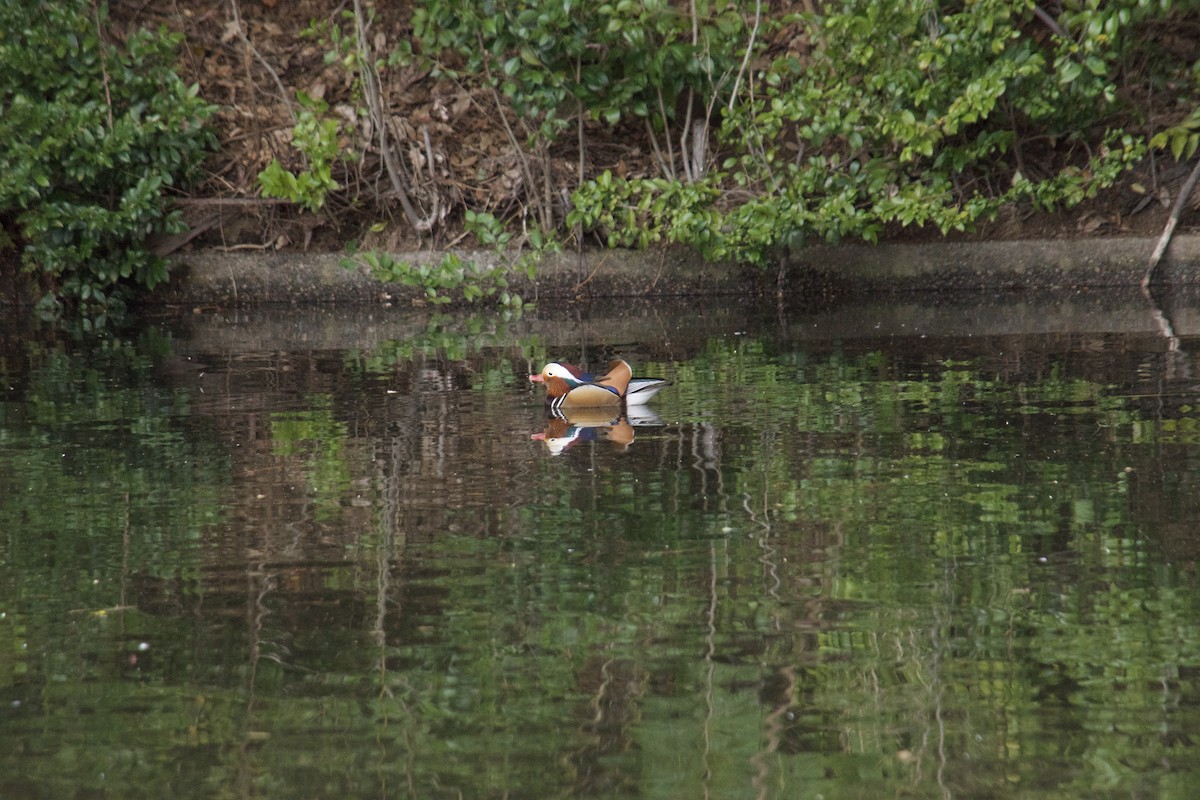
926	546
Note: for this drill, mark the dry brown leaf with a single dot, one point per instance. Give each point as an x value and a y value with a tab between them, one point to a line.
229	32
462	104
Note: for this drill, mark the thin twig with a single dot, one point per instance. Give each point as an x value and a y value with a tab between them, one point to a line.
103	66
522	161
579	115
241	33
668	171
749	49
591	275
429	154
547	185
688	173
1049	21
700	133
375	105
662	110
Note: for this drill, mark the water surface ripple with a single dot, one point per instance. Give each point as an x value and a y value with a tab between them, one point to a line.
913	546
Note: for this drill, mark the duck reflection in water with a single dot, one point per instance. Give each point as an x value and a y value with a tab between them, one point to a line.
565	428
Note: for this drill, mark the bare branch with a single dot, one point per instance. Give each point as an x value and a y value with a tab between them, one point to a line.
1049	21
667	168
746	57
379	117
1165	239
241	33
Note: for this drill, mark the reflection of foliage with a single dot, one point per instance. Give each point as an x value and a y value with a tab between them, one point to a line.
1184	430
102	489
454	339
95	433
837	570
320	439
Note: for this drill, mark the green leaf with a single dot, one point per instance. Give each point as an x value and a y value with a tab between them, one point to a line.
1096	66
530	56
1069	71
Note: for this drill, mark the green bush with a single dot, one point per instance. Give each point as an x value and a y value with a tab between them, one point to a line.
607	59
847	120
473	280
561	63
92	134
316	136
890	113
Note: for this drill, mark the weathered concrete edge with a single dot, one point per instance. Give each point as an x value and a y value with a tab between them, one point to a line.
214	278
232	279
1034	264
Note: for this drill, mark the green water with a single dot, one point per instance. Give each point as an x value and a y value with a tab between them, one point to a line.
902	549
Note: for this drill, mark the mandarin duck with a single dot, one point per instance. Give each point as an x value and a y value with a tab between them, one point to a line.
568	387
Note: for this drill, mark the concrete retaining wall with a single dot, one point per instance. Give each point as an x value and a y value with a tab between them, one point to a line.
211	278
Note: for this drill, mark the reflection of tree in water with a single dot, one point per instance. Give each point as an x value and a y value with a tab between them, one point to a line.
615	688
824	566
